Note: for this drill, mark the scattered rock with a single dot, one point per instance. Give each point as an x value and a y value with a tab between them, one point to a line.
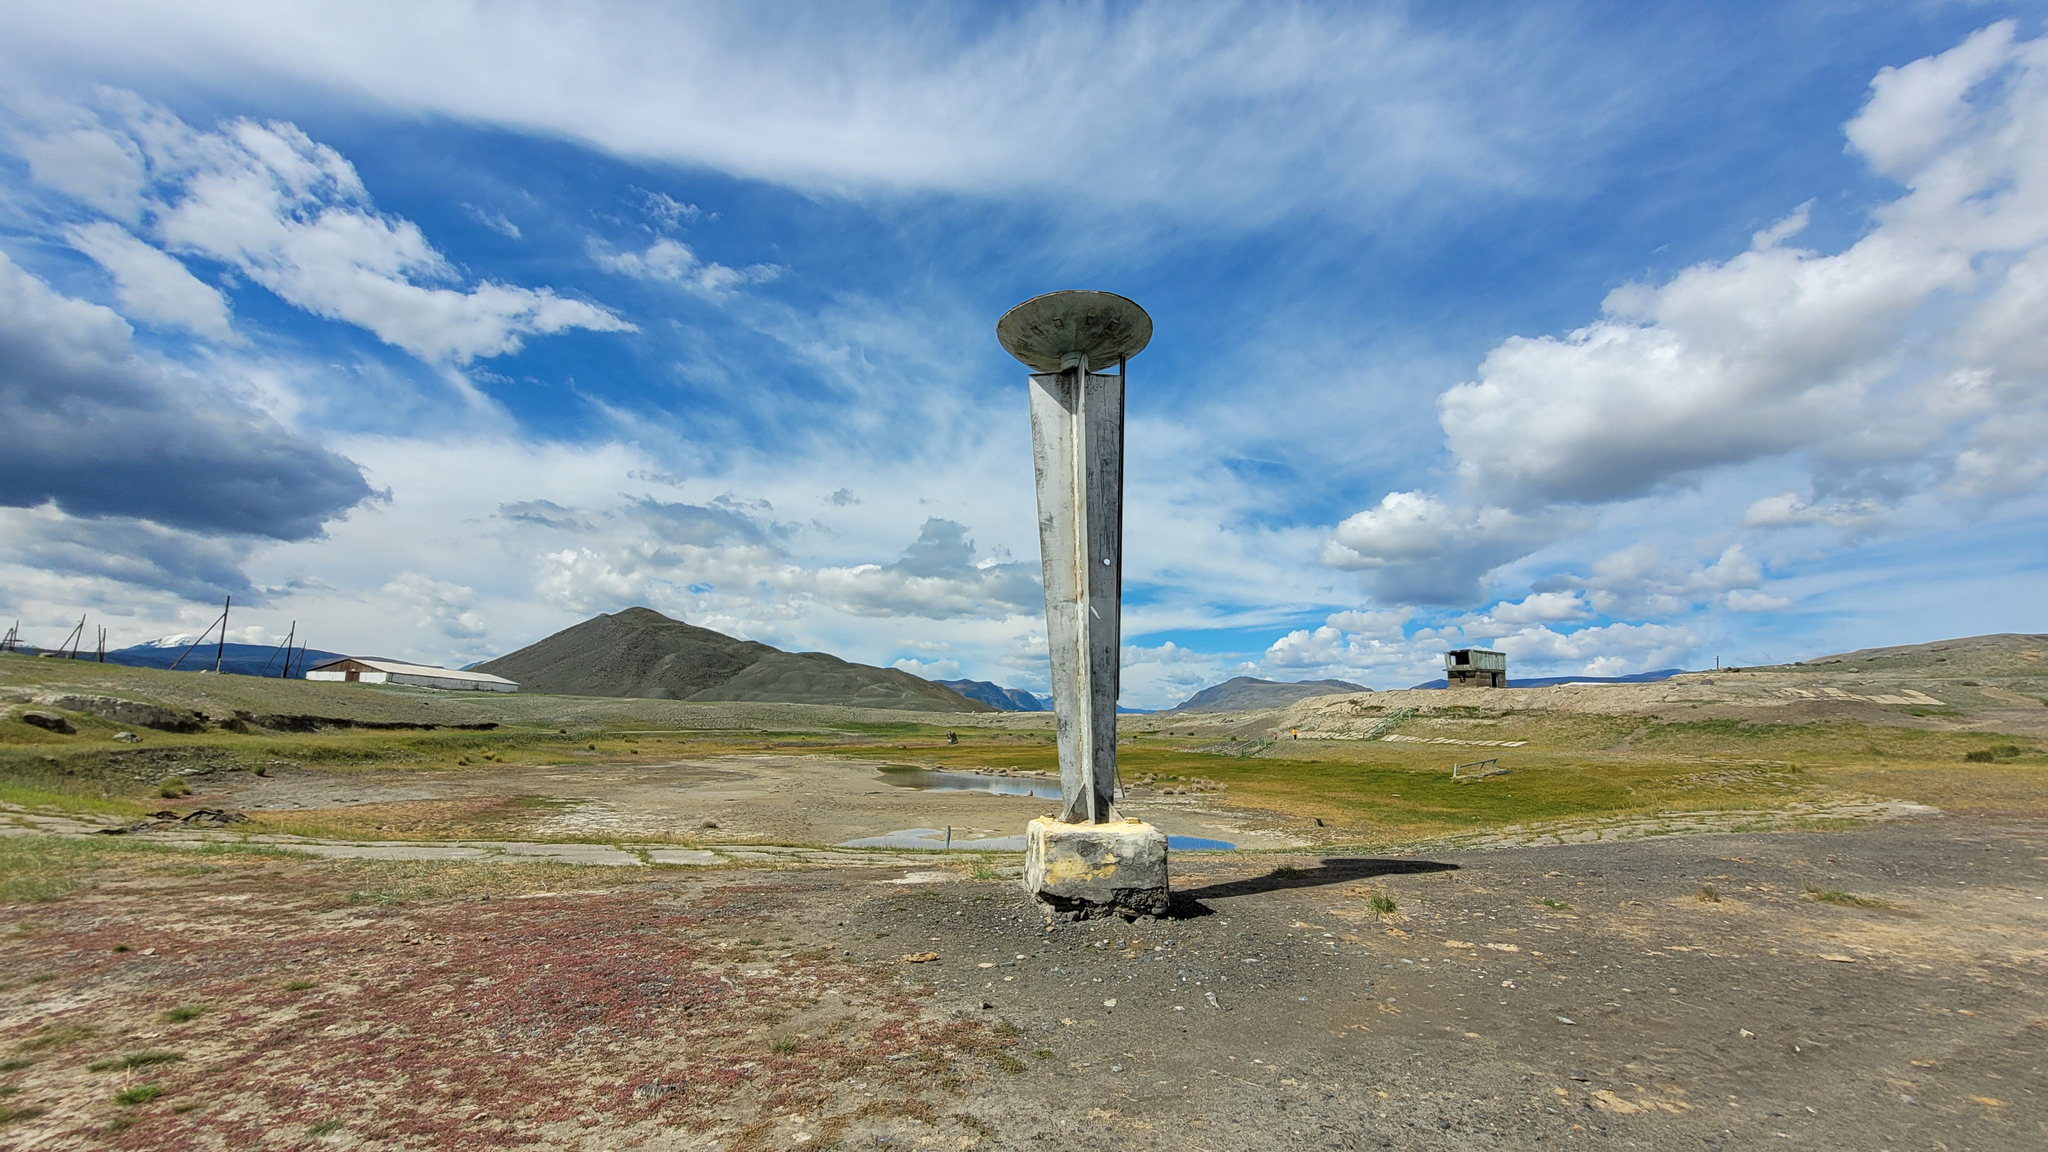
919	957
131	712
49	722
167	820
127	737
648	1093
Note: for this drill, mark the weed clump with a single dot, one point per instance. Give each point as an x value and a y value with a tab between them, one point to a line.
783	1047
184	1012
173	787
1845	899
1382	905
54	1036
140	1094
1708	894
127	1060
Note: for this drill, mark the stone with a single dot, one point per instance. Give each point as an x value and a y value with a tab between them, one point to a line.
1082	871
49	722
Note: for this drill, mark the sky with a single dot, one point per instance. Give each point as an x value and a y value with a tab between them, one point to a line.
1617	337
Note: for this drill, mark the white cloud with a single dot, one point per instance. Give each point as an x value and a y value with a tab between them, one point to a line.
1221	110
495	221
1415	549
1640	581
674	262
1783	350
1541	608
154	287
1748	600
293	215
1607	650
446	608
1788	510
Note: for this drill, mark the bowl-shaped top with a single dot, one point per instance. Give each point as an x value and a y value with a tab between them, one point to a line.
1045	330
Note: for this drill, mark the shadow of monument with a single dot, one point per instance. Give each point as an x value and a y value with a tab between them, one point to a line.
1336	870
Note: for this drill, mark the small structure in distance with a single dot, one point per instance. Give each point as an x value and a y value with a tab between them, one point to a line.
355	670
1476	668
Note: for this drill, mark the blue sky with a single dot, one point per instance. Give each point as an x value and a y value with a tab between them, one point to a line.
1616	336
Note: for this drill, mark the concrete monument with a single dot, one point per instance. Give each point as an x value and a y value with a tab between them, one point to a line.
1087	861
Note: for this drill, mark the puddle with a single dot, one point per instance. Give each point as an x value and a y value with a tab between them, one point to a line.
935	838
927	780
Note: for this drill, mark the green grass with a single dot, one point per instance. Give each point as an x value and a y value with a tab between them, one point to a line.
140	1094
9	1113
44	868
52	1036
323	1128
1845	899
1382	904
184	1012
784	1046
127	1060
301	985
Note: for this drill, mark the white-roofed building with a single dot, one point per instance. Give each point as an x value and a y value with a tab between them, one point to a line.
355	670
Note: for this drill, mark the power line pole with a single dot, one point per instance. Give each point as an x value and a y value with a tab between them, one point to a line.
221	648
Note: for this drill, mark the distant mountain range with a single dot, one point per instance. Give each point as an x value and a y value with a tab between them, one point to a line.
998	697
1245	692
641	653
236	659
1547	681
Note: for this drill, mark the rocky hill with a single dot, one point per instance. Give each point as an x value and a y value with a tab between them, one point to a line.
997	696
1246	692
641	653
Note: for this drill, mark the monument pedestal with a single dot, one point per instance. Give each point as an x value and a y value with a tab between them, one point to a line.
1080	871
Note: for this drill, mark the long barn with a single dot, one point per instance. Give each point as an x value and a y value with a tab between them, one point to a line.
355	670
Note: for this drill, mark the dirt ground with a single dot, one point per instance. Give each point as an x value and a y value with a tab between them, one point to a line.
749	799
1879	988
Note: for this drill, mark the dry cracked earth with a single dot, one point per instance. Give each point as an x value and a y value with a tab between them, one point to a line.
1570	996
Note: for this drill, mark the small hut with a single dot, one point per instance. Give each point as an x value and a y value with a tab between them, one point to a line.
1476	668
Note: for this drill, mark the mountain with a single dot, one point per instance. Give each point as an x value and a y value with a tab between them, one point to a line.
1243	692
1547	681
641	653
998	697
239	659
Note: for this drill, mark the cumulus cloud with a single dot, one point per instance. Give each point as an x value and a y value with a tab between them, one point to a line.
1607	650
97	431
1911	367
674	262
1782	350
292	215
439	606
939	577
1641	581
153	286
128	551
1415	549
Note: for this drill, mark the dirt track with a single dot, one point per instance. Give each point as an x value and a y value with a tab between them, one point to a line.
768	1009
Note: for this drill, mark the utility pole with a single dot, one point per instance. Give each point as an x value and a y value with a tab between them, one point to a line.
221	648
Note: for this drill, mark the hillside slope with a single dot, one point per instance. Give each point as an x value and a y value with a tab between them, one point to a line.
1245	692
643	654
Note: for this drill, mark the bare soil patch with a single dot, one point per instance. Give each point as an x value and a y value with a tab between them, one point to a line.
1518	998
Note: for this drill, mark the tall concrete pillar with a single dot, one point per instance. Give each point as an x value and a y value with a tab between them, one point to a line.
1087	860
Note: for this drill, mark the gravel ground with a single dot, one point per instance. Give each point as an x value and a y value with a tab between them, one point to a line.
1577	995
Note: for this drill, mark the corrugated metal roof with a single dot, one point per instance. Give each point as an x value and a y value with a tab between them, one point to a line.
396	667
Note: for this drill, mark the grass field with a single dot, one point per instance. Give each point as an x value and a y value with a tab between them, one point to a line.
1570	765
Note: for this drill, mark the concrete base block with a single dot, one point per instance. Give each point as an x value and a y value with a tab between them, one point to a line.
1078	871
